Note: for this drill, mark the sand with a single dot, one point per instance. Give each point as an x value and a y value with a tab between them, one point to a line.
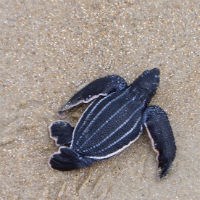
51	49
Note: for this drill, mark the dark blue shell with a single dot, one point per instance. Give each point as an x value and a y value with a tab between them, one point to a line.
109	124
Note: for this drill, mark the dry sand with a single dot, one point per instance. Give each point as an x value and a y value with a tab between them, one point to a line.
50	49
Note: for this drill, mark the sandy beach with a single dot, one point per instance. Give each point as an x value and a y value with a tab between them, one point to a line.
51	49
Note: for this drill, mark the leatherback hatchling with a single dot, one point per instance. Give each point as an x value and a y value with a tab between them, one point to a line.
116	117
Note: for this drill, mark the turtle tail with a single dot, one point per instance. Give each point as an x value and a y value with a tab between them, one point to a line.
67	159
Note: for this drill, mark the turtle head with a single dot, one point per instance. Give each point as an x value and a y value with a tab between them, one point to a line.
148	81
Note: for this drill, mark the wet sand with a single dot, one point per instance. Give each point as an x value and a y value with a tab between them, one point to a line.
51	49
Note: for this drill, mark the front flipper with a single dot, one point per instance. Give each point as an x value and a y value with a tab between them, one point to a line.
160	132
61	132
95	89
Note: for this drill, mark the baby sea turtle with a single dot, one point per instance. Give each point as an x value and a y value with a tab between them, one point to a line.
114	120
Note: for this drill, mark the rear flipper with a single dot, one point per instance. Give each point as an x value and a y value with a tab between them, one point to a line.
160	132
66	159
61	132
100	87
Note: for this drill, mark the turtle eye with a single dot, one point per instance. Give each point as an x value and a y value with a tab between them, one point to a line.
146	72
